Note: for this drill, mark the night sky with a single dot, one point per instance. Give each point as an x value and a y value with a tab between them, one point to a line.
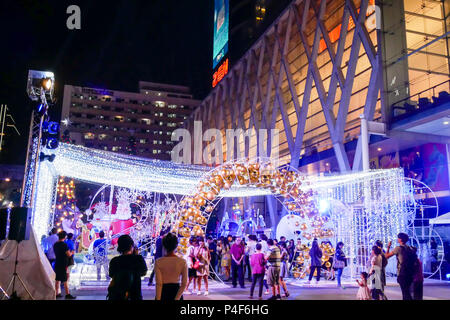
120	43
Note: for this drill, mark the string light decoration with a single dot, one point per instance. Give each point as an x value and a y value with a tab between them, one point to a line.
365	207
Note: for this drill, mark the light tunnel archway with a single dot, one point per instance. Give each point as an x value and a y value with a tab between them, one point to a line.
287	184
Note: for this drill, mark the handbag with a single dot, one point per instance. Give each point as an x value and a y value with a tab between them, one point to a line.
196	264
338	264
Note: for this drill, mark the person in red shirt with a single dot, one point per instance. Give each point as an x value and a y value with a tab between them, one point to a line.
237	264
258	263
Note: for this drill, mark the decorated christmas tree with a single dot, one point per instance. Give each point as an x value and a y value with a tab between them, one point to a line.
66	136
65	204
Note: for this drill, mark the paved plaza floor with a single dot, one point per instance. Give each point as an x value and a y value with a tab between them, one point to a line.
299	290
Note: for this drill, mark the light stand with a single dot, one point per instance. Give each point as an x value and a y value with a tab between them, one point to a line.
12	282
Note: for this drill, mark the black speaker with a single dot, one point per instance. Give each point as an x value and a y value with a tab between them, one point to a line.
19	224
3	222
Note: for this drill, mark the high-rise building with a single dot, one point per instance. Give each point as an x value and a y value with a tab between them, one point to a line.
322	64
248	21
139	123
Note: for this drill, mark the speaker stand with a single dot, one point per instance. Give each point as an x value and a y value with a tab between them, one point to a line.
12	282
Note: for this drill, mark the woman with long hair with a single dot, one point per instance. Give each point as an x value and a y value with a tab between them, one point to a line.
226	259
339	261
316	263
375	281
204	257
168	270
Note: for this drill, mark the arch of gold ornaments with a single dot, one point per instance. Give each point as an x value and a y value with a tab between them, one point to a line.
287	184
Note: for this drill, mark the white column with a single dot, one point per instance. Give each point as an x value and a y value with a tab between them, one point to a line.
364	143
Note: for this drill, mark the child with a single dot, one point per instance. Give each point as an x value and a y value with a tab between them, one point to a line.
363	291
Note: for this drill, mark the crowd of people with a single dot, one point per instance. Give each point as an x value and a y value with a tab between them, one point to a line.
264	262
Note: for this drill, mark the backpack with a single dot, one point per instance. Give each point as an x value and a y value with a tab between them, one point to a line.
120	286
407	268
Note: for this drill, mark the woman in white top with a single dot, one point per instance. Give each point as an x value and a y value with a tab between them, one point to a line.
168	270
203	256
375	282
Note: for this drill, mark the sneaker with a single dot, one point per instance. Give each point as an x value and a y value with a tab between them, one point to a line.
59	295
286	294
260	298
250	297
206	293
187	292
308	282
199	293
278	297
242	287
267	292
272	298
70	297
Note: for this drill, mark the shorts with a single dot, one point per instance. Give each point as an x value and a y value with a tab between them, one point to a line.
192	273
61	274
273	276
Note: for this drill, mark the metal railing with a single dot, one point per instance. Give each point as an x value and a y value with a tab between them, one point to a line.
419	102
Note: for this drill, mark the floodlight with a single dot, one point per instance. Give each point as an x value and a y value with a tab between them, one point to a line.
53	128
47	84
40	108
52	143
40	82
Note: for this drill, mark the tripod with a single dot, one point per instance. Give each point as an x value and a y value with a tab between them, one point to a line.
12	282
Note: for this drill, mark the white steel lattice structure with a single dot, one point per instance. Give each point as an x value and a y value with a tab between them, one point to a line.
311	75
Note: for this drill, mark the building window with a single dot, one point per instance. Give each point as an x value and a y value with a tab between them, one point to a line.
160	104
89	136
172	106
146	121
143	141
102	136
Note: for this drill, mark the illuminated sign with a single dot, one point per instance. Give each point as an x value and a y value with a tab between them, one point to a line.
220	73
221	22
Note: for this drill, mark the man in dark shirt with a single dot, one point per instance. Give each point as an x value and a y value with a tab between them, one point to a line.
62	254
212	247
237	265
158	254
126	271
405	264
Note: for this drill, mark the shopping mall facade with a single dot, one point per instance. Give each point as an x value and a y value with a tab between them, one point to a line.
324	63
